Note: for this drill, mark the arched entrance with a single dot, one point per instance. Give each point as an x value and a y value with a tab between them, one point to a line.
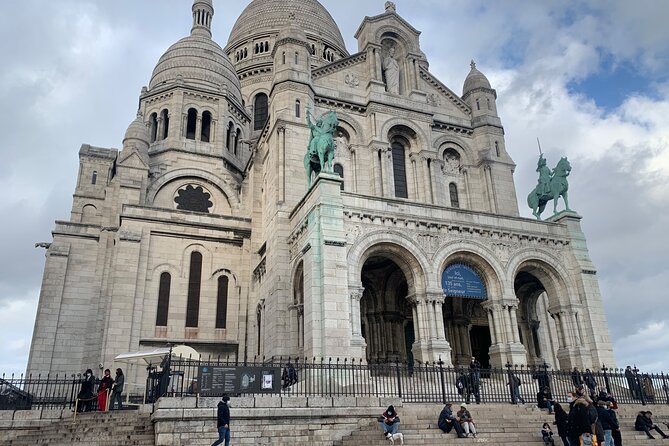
466	322
386	317
535	288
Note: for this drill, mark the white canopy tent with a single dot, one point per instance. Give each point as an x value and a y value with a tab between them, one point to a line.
155	356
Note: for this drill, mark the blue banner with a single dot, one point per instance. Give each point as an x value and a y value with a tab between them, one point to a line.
460	280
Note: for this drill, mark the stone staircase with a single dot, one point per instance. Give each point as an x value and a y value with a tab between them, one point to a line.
114	428
497	424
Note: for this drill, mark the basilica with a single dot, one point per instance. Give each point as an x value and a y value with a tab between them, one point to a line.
206	229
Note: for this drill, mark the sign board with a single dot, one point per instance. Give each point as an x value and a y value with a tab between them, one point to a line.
217	380
460	280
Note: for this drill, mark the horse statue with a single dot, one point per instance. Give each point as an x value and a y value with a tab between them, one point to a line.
551	185
321	148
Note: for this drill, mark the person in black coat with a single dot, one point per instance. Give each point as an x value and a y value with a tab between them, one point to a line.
607	419
576	378
223	422
644	422
86	395
562	422
581	418
447	421
545	400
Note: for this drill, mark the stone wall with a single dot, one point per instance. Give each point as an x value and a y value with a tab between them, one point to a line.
317	421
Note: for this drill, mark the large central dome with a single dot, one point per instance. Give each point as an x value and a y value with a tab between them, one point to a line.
271	16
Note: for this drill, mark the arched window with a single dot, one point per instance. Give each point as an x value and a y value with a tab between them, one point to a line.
238	133
297	108
339	170
478	104
205	133
488	101
153	126
222	302
228	137
297	58
283	58
399	170
266	46
194	280
497	148
313	49
191	121
165	116
256	49
260	111
246	53
453	190
94	177
163	299
298	302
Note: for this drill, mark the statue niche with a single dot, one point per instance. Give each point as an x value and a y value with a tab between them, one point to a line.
391	68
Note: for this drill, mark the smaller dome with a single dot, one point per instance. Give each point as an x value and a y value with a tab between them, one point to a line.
137	130
199	61
475	79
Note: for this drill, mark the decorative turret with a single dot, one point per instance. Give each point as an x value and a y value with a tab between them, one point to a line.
137	135
292	55
203	11
478	93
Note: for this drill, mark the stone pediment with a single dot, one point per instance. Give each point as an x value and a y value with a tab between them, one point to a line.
355	63
440	96
132	159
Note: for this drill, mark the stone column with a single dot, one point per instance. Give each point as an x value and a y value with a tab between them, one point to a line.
356	294
491	325
198	128
159	132
388	173
354	169
513	309
415	163
427	180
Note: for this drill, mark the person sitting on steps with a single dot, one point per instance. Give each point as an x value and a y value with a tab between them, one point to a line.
447	421
466	421
389	421
547	434
644	423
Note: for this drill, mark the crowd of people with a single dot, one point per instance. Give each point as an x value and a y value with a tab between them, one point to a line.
106	391
589	420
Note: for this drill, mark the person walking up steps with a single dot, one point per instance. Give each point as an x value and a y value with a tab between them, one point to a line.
223	422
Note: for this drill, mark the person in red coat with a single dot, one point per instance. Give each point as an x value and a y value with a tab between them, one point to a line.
103	389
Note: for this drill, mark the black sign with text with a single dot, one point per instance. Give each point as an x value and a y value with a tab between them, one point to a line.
217	380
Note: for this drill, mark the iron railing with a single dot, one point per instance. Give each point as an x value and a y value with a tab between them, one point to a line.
337	377
433	382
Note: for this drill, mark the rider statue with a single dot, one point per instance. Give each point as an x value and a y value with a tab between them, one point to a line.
321	147
545	174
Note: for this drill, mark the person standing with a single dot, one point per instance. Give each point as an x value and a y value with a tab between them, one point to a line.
223	421
85	395
561	421
103	390
447	421
514	384
609	422
475	379
631	381
590	382
576	378
582	417
117	389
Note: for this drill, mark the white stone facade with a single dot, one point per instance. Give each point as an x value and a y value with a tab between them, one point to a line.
202	229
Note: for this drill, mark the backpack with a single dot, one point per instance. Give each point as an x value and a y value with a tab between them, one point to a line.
588	440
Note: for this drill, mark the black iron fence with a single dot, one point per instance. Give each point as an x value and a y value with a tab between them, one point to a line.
430	382
336	377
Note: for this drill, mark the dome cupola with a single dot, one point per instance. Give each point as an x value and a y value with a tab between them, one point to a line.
269	17
137	133
197	60
475	79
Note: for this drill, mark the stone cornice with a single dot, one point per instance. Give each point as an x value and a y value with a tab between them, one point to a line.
456	229
438	125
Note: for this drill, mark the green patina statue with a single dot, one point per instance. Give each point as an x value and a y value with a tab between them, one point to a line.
551	185
321	148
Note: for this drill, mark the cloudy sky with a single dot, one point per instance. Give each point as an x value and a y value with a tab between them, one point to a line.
589	78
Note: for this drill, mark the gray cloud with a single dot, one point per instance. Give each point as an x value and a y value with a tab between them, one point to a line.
75	74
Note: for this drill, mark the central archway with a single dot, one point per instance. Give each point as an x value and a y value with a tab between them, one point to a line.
386	317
